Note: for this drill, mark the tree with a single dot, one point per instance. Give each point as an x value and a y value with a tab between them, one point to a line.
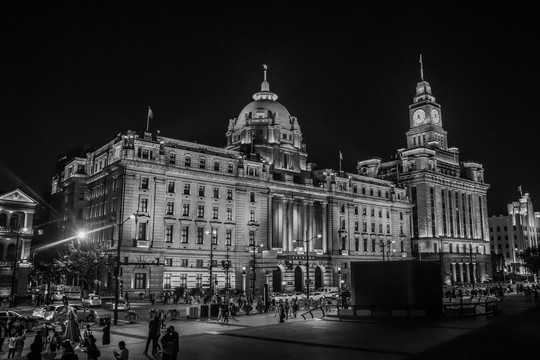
531	259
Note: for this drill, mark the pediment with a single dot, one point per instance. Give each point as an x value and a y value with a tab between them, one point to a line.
17	196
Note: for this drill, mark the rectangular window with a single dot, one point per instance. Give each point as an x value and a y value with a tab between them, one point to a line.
185	234
143	205
144	183
185	209
202	190
215	213
200	235
200	211
372	245
216	193
356	225
229	214
216	165
198	280
183	280
202	163
142	231
365	245
170	207
356	210
230	168
228	237
214	237
356	244
139	281
251	238
187	161
199	263
364	226
113	205
372	227
252	215
167	280
169	234
187	189
229	194
252	196
184	263
364	211
168	262
388	228
172	158
342	223
170	187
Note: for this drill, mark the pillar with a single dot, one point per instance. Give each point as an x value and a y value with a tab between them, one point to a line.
325	238
460	277
468	272
454	277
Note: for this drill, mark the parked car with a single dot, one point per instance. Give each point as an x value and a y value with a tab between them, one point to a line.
91	300
317	295
42	311
123	305
83	313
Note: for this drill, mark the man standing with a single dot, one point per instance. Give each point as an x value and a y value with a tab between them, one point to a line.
153	335
123	354
170	344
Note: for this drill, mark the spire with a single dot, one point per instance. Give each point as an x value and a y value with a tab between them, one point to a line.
421	68
265	86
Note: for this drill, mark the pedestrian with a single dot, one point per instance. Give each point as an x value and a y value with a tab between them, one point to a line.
86	335
106	339
35	352
52	341
68	353
3	334
153	335
170	344
123	354
92	351
12	346
21	337
41	339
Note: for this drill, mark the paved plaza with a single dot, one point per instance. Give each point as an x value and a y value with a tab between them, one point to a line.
259	336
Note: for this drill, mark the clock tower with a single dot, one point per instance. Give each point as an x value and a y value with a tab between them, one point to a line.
425	119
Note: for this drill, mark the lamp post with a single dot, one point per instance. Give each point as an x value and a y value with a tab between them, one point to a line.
441	259
253	268
117	267
318	236
472	272
227	280
211	265
13	277
383	245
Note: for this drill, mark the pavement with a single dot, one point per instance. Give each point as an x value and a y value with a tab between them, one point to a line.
514	331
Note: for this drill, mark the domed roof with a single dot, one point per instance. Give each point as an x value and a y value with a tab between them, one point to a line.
265	107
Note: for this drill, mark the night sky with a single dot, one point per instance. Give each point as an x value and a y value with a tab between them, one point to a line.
74	76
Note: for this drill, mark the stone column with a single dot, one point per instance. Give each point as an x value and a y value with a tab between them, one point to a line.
270	221
325	238
460	277
475	280
454	277
468	272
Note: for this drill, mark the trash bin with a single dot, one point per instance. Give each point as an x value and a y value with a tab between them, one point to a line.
204	311
104	319
214	310
193	312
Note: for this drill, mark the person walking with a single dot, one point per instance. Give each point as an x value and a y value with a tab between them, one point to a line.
124	352
153	335
12	346
281	310
52	341
92	351
86	335
170	344
106	339
21	337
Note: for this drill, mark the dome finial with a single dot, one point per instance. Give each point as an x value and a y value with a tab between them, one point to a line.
265	86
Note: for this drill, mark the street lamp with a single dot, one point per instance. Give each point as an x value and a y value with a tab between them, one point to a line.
318	236
211	265
117	267
19	232
383	245
253	268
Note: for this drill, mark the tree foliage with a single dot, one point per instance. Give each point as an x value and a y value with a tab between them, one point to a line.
531	259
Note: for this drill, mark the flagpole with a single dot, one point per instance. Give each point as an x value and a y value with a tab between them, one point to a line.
340	158
148	119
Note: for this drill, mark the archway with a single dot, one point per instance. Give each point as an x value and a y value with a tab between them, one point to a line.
298	279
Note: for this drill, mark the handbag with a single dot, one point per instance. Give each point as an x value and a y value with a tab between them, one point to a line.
98	353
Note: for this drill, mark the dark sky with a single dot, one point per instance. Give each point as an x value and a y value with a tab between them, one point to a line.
74	76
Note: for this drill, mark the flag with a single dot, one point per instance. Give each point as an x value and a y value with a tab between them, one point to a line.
150	113
519	189
340	156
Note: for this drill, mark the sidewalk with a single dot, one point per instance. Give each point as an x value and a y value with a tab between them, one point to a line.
260	336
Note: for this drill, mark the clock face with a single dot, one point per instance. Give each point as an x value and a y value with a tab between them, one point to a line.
418	116
435	116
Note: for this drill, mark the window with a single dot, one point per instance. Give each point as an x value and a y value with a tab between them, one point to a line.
372	245
355	188
380	213
342	222
228	237
144	183
363	190
400	216
365	245
198	280
252	196
215	212
388	214
200	211
380	228
230	168
252	215
144	153
371	191
251	238
199	263
185	209
229	194
168	262
167	280
356	225
202	190
388	228
184	263
214	237
183	280
364	226
187	161
143	205
169	234
356	210
142	231
170	207
229	214
372	211
216	165
170	187
342	208
200	235
364	211
372	227
187	189
216	193
172	158
185	234
139	281
202	163
379	193
401	229
356	244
